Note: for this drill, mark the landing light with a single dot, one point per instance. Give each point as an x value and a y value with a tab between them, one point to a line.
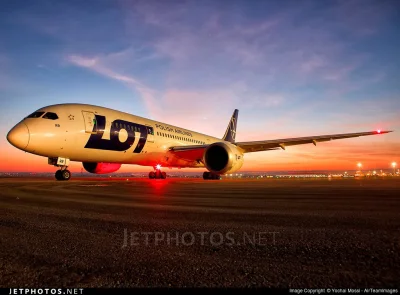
158	166
379	131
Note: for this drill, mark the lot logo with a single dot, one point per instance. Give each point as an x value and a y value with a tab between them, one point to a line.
97	142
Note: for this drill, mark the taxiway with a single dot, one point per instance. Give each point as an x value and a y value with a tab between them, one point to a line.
140	232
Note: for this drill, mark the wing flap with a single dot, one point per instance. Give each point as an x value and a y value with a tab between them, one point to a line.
256	146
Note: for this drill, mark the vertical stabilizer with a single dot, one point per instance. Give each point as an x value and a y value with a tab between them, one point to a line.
230	133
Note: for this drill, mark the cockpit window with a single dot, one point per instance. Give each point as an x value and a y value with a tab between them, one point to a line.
51	116
36	115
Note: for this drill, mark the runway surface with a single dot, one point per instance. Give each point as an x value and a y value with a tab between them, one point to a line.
190	232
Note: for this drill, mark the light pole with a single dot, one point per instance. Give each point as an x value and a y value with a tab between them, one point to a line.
394	164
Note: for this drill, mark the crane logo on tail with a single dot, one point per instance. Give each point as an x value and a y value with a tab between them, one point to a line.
230	133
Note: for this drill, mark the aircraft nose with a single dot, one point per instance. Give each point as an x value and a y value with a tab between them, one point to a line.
19	136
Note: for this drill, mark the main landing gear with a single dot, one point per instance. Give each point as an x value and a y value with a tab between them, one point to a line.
208	175
63	173
157	173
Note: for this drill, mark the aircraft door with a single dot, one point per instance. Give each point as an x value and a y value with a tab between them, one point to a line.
90	121
150	134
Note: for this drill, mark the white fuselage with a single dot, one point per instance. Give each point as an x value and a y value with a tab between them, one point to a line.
88	133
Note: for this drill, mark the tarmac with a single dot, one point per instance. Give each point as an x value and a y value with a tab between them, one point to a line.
282	233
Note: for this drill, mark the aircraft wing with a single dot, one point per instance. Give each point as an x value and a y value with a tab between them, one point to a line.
195	152
189	152
256	146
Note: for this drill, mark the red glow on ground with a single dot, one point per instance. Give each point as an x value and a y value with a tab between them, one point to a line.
159	186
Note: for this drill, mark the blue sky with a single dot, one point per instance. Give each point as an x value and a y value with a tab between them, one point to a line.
293	68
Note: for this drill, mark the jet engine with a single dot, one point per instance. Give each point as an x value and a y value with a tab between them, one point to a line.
222	157
101	168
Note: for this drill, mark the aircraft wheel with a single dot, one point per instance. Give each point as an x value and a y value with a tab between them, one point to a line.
152	175
65	175
163	175
58	175
215	176
208	175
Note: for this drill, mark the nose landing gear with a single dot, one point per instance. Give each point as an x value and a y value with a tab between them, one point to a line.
63	174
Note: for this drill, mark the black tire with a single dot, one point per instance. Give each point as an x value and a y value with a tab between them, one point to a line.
152	175
58	175
206	175
212	176
66	174
163	175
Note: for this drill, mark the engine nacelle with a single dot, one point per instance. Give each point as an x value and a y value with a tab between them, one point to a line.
222	157
101	168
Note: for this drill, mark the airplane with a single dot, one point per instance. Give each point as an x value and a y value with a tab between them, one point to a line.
103	139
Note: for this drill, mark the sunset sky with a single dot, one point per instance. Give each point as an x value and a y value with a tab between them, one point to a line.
292	68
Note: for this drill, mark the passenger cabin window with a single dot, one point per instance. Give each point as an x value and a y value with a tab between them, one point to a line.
50	116
36	115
